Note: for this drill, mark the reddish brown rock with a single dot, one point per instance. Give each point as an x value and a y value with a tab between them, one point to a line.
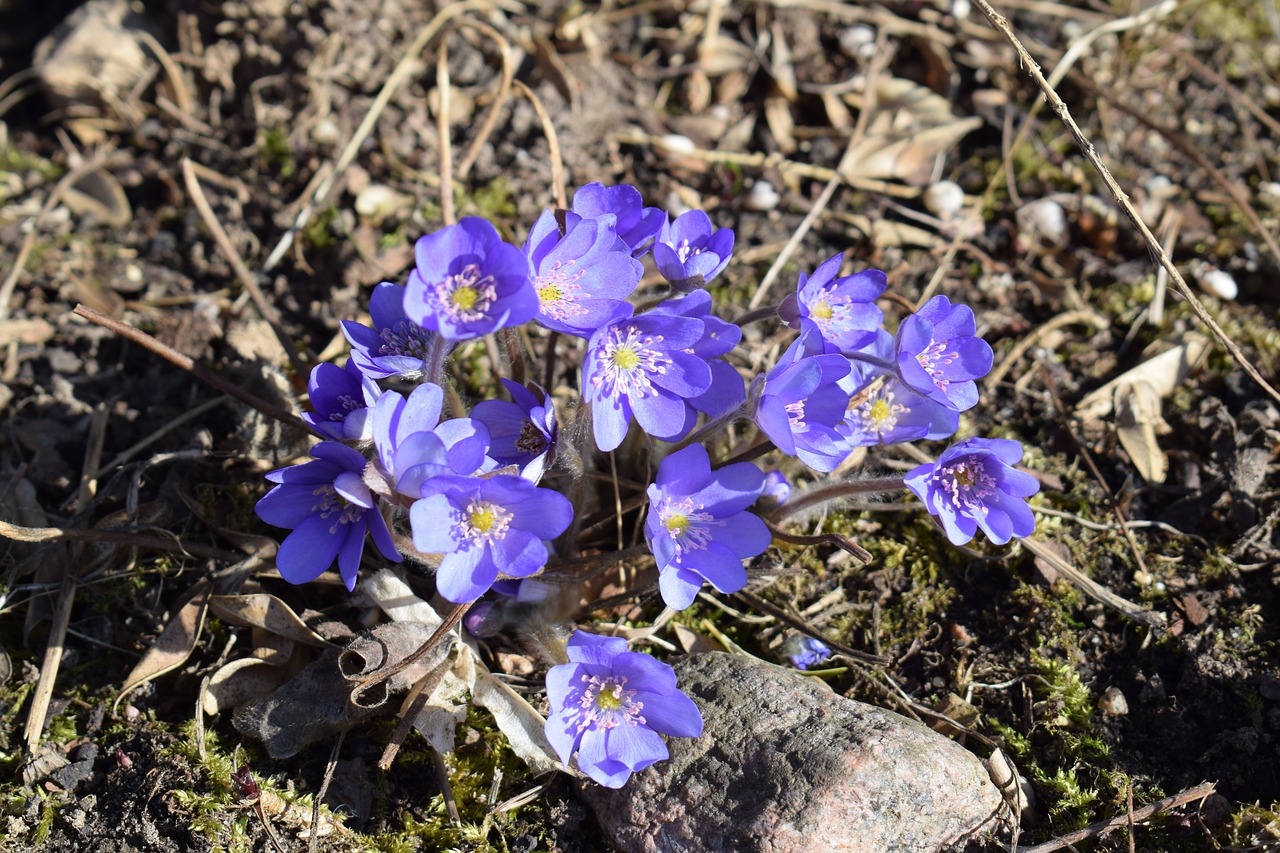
786	765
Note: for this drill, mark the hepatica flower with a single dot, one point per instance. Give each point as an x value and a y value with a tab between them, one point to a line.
718	338
523	432
396	345
842	308
803	652
329	508
342	399
644	366
882	409
635	224
483	527
801	402
467	282
609	705
698	527
973	486
939	355
690	252
582	278
413	445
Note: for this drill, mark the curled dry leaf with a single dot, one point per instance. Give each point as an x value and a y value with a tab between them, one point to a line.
1138	421
523	726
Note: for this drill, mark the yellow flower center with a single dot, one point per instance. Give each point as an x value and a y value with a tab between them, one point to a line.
549	294
676	523
963	475
464	298
607	701
482	520
625	359
879	411
822	311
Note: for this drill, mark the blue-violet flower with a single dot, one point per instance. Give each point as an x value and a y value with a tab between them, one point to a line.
636	225
582	278
467	282
801	402
883	409
844	308
690	251
939	355
609	705
343	399
329	508
396	345
804	651
727	389
522	433
698	526
484	526
974	485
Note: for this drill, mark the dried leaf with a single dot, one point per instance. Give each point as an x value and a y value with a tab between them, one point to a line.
241	681
523	726
395	598
1163	373
692	642
440	717
1138	419
175	643
261	610
99	195
385	646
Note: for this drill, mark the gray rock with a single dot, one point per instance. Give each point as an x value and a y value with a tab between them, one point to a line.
784	764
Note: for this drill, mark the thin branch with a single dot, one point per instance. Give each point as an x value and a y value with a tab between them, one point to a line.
1199	792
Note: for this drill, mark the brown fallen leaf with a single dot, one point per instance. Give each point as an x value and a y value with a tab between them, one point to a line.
175	643
261	610
1138	421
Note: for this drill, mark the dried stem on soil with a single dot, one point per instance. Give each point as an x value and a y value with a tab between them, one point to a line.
1199	792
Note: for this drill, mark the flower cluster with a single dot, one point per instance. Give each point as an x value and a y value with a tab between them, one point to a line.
493	492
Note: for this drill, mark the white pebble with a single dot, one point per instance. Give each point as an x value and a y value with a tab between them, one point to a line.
674	143
1112	703
762	197
1042	220
944	199
960	9
378	201
858	41
325	132
1220	284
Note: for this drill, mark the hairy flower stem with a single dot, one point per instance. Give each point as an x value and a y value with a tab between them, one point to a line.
872	360
835	491
713	427
549	362
436	354
753	452
756	315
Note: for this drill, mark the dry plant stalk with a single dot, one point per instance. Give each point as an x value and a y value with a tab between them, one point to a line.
1121	198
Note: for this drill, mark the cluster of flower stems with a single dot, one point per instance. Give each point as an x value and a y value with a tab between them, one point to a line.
470	489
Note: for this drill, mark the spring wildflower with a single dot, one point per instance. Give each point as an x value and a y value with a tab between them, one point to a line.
690	251
939	354
842	308
973	486
635	224
581	278
523	432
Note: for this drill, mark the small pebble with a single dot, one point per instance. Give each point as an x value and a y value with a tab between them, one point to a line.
675	144
325	132
960	9
1112	703
1042	220
378	201
944	199
1220	284
762	197
858	41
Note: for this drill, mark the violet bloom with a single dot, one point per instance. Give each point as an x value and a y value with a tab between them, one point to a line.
636	225
801	402
468	282
803	652
690	251
777	490
413	445
698	526
522	433
483	526
974	485
396	345
582	278
843	309
609	705
644	366
882	409
343	399
329	508
939	355
727	389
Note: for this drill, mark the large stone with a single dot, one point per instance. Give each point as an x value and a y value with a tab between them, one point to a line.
786	765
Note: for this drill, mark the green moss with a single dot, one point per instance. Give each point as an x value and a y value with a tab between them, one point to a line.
274	148
319	232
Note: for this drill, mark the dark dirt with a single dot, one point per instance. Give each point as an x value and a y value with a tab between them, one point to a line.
274	89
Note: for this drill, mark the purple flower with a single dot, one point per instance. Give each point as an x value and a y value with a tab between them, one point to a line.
608	705
484	526
582	278
727	389
636	224
777	490
802	402
690	251
522	433
468	283
804	652
939	355
882	409
644	366
414	446
329	508
974	485
698	527
342	399
396	345
843	309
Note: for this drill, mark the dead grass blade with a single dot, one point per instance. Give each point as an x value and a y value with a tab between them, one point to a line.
1097	830
1092	588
